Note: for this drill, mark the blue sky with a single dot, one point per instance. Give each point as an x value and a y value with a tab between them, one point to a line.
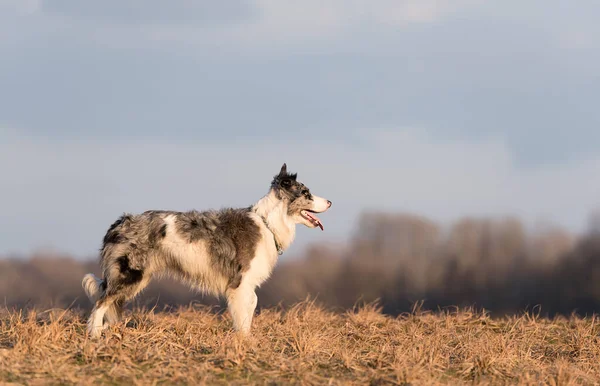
438	107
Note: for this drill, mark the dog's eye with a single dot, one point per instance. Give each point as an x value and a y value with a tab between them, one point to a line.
305	192
286	183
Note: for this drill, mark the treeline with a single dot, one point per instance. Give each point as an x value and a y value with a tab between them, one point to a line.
400	259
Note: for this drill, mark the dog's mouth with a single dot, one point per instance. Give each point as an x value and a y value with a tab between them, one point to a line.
310	216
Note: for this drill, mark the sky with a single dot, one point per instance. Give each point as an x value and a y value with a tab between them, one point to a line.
443	108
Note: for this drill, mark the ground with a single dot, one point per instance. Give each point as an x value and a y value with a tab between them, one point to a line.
302	345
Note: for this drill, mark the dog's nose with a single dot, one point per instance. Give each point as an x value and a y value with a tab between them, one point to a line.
329	203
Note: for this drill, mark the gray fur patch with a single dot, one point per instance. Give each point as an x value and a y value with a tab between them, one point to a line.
194	225
233	243
132	245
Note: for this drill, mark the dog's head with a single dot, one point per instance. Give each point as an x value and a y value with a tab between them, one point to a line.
301	203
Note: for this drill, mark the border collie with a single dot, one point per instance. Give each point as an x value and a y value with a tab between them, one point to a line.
227	252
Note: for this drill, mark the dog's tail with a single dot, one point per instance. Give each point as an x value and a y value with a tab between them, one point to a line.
92	287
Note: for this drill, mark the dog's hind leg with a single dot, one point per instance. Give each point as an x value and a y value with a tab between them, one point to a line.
123	283
114	312
95	323
95	289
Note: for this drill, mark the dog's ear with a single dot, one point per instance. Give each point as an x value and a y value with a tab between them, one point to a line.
284	178
283	171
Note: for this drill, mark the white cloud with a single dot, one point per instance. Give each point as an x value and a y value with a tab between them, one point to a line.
337	13
256	23
20	6
66	193
313	20
578	39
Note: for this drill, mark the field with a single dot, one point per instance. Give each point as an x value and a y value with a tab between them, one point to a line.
304	344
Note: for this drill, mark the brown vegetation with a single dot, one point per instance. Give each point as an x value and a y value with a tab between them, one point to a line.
303	345
398	259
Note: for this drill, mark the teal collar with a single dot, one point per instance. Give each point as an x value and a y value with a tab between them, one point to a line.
277	245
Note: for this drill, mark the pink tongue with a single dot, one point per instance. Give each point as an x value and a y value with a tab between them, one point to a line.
316	219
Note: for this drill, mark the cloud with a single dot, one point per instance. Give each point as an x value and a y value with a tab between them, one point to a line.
269	72
578	39
313	19
337	13
324	65
65	194
249	23
316	22
150	12
21	6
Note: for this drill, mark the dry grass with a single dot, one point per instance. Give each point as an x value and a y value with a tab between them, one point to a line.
303	345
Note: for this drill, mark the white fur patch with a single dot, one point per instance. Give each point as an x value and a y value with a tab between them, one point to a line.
319	204
265	257
275	212
193	259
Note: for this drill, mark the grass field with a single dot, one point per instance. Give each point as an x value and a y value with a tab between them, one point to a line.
302	345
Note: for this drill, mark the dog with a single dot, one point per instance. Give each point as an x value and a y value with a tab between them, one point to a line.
228	252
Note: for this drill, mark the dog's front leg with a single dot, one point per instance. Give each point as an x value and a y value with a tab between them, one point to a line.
241	304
